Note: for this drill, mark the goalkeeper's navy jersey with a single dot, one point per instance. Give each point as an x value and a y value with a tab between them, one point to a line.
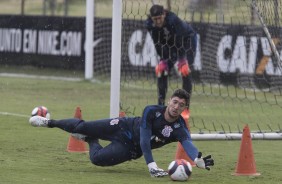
175	40
153	131
163	132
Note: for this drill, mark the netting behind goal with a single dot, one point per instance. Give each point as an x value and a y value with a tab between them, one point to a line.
237	79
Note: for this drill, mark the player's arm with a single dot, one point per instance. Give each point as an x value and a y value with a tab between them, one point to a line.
184	34
162	66
185	37
154	32
190	149
145	143
192	152
145	139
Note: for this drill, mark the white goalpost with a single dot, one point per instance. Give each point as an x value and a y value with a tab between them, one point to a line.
115	55
89	39
237	136
116	58
268	35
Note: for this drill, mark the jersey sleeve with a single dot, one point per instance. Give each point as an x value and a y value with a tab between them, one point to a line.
146	133
155	35
184	137
185	38
190	148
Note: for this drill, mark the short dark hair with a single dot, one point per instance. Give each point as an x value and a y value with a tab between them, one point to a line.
156	10
182	94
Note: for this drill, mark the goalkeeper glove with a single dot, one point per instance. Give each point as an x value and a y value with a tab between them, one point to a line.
155	171
205	162
183	67
161	68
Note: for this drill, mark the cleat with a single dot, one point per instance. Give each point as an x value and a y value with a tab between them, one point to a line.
78	136
38	121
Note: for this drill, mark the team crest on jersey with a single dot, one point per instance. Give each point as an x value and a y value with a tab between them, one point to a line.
114	122
158	114
166	131
176	125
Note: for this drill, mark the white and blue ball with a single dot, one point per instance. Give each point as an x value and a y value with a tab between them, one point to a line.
41	111
180	170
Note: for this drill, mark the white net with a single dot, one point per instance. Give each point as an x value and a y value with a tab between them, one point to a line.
236	77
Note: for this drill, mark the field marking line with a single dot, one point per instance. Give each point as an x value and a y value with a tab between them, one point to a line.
40	77
14	114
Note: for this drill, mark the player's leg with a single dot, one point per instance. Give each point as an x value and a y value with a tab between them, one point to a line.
162	83
118	151
187	80
187	85
162	89
101	129
115	153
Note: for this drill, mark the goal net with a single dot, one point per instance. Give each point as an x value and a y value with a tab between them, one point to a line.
237	76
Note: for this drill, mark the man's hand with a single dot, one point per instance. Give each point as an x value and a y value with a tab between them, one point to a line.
155	171
161	68
205	162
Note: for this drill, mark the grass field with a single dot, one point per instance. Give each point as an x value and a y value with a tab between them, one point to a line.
38	155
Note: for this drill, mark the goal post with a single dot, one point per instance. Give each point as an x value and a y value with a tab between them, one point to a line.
116	59
266	31
89	39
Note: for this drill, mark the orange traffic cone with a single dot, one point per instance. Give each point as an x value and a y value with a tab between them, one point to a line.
186	115
75	145
180	152
246	165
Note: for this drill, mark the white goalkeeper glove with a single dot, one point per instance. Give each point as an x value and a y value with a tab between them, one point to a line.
204	163
155	171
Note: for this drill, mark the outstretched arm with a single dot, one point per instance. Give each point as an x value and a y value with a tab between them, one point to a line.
190	149
185	39
192	152
145	143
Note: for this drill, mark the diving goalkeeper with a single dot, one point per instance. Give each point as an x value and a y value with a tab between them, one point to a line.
132	137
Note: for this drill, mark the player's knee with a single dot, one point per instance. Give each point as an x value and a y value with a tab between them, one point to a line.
96	161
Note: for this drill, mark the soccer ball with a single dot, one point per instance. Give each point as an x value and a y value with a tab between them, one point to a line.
41	111
179	170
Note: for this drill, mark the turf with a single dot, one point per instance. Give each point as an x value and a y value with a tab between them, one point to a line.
39	155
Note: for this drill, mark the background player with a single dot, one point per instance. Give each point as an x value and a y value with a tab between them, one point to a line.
175	42
132	137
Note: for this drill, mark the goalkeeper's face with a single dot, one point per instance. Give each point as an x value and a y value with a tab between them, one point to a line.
158	20
175	107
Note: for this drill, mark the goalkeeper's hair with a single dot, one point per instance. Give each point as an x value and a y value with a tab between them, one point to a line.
182	94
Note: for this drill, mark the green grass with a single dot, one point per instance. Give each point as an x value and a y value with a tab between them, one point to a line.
38	155
213	108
